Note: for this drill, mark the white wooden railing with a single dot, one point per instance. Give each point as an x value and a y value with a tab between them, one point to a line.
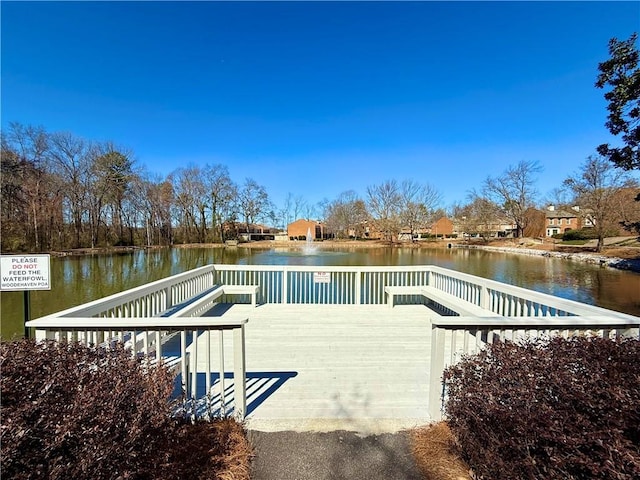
163	321
365	285
513	313
453	337
158	314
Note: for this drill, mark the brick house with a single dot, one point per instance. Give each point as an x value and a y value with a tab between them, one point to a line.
563	220
366	230
442	227
299	230
254	232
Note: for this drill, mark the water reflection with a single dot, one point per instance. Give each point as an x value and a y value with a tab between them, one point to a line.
76	280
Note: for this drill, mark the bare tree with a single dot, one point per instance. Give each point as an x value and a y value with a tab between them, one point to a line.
253	201
384	202
595	188
478	216
558	197
299	205
191	198
223	194
115	169
346	214
417	205
98	190
627	203
309	210
514	191
70	158
24	160
285	212
159	195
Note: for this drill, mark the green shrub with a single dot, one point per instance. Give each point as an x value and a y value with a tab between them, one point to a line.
582	234
556	409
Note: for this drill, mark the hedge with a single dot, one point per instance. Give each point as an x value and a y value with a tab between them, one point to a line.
549	409
74	412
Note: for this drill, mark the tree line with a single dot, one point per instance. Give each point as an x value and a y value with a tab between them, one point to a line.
61	191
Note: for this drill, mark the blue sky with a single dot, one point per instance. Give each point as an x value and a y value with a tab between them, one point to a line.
315	98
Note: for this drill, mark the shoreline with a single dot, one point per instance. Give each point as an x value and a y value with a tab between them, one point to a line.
630	264
621	258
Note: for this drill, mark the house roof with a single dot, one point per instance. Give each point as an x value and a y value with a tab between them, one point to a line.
561	214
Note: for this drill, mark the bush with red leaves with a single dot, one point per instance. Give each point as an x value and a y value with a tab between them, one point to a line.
69	411
554	409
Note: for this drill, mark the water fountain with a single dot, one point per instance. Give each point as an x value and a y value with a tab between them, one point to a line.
309	248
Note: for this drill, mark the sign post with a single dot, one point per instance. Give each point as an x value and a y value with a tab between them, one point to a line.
25	273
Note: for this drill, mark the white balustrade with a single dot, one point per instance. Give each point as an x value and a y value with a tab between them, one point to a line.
151	321
453	337
151	316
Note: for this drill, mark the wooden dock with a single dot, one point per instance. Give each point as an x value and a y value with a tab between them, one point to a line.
329	367
354	348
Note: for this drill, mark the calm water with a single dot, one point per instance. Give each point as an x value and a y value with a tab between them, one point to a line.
76	280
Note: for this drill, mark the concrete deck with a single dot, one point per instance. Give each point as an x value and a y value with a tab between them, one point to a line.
331	367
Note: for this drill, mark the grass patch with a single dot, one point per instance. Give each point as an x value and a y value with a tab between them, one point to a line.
575	242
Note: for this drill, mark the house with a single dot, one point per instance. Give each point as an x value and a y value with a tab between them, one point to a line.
367	230
301	228
562	220
492	228
443	227
254	232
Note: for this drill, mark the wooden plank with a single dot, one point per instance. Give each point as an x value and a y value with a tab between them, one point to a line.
349	366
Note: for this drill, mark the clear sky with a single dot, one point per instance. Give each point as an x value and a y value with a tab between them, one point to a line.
315	98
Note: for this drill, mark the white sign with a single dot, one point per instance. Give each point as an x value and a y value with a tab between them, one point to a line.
24	272
321	277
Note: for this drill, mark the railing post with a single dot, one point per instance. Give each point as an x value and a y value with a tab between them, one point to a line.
285	285
358	287
169	297
184	363
484	297
213	276
239	374
435	372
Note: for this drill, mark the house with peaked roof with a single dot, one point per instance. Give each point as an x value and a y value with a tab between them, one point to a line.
563	220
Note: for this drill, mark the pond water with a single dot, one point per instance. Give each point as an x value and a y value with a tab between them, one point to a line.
79	279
